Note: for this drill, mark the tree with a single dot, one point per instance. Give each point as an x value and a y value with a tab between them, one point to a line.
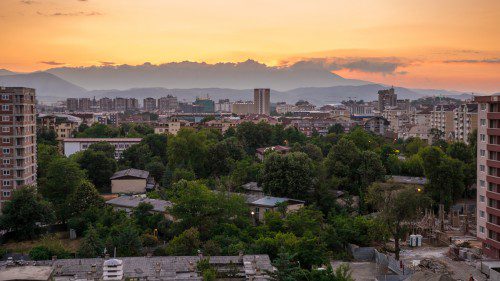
47	137
336	129
186	244
398	205
460	151
188	150
287	269
253	136
136	156
290	175
106	147
99	166
45	154
63	177
342	163
24	211
98	130
222	156
370	169
83	198
413	146
157	144
156	170
126	239
91	246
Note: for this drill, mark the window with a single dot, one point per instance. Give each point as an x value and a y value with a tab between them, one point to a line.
482	152
481	229
5	107
5	140
6	182
6	193
483	122
6	161
6	172
482	183
481	198
5	118
6	151
482	137
5	97
481	214
483	106
481	168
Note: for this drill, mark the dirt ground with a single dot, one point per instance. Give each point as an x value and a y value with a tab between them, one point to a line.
460	270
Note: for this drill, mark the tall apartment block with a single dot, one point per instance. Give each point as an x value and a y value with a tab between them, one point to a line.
387	98
168	103
149	104
488	175
18	140
262	101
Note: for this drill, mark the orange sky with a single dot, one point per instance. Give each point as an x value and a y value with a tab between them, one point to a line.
452	44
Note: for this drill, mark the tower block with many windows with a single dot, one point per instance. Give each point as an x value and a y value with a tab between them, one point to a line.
18	140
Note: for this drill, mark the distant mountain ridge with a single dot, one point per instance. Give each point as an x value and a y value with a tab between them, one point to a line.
51	87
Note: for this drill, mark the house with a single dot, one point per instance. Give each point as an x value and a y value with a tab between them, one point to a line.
131	181
260	206
74	145
129	203
377	125
252	188
260	152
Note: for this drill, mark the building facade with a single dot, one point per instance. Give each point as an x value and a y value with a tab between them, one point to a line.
465	121
149	104
168	103
242	108
262	101
18	137
72	146
488	175
386	98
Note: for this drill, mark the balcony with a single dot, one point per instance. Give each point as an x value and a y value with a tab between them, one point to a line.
493	243
493	211
493	195
493	115
493	227
493	131
493	179
493	163
493	147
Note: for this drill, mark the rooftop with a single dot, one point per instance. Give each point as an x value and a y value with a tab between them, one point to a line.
134	201
252	186
408	180
278	148
102	139
273	201
135	173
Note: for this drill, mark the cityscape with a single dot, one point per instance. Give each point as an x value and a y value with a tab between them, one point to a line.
348	164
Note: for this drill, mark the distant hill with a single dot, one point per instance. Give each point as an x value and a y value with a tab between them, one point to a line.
46	84
6	72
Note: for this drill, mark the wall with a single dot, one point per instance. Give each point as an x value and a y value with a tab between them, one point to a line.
128	186
71	148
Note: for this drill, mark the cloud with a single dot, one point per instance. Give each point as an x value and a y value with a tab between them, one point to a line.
69	14
28	2
494	60
107	63
383	65
52	63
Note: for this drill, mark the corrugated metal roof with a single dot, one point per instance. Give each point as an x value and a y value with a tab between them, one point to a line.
273	201
131	173
134	201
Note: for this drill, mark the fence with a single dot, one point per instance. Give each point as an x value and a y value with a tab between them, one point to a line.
381	259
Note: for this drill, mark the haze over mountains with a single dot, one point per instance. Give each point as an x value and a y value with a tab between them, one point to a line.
312	81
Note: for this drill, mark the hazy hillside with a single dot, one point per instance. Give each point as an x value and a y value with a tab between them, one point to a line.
46	84
183	75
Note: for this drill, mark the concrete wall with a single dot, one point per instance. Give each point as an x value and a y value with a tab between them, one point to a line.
71	148
128	186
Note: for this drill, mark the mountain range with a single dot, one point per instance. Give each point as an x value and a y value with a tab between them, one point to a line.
188	80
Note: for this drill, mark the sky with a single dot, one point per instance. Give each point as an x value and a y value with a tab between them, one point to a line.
445	44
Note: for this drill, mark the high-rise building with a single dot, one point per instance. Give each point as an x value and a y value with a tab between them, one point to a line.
168	103
387	98
106	104
72	104
207	105
84	104
262	101
18	138
488	175
149	104
120	104
242	108
132	104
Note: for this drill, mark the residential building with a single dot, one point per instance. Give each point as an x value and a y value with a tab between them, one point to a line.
361	109
190	108
262	101
71	146
64	125
488	175
72	104
128	203
416	131
170	126
120	104
303	105
132	181
149	104
168	103
386	98
223	105
18	140
106	104
261	152
284	108
253	188
242	107
265	204
222	124
377	125
308	126
132	104
465	121
442	119
84	104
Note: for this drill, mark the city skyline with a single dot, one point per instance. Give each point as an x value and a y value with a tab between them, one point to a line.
451	45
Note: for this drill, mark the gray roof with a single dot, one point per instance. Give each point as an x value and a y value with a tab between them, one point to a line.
160	268
252	186
272	201
408	180
131	173
134	201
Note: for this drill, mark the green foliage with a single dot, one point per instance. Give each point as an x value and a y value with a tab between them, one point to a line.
45	155
24	211
188	150
290	175
49	247
83	198
136	156
98	130
46	137
92	245
106	147
186	244
99	167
